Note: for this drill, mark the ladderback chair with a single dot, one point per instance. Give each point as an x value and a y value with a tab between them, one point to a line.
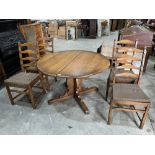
29	58
22	83
35	34
129	97
127	59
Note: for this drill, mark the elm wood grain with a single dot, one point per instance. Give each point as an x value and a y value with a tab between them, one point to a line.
78	99
74	65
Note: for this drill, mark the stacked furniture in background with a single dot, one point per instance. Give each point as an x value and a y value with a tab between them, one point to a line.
62	32
53	29
143	36
71	30
117	24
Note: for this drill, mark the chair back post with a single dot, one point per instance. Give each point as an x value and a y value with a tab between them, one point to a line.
129	66
136	43
119	35
113	52
20	57
142	64
114	48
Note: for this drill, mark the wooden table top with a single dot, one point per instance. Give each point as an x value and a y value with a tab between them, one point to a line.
73	64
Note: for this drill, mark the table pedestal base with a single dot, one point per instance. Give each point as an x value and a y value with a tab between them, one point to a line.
74	90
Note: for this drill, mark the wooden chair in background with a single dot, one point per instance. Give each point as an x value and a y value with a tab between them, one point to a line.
28	57
36	34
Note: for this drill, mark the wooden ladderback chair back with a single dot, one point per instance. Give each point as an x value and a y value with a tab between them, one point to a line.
122	46
35	29
28	57
34	33
41	39
126	42
128	63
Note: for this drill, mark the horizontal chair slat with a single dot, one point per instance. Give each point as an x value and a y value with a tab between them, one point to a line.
29	58
129	42
129	58
29	65
18	91
129	50
129	110
132	75
127	66
28	52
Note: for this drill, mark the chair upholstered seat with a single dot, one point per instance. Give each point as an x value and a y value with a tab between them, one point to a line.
121	79
22	78
26	81
32	69
129	92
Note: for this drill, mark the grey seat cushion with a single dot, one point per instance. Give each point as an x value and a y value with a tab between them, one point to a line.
129	92
22	78
32	69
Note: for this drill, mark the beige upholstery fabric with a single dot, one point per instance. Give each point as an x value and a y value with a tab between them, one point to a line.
129	92
32	69
22	78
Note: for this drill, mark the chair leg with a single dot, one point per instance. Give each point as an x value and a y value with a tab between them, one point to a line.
9	94
47	83
55	79
28	97
42	85
107	90
144	116
34	105
110	114
42	82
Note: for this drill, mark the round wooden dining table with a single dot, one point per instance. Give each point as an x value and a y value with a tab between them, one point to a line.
75	65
